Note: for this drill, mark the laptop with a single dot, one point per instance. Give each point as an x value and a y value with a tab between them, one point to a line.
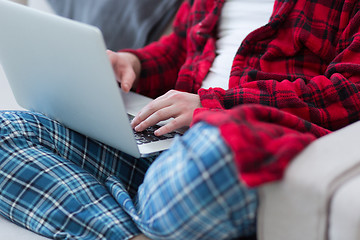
59	67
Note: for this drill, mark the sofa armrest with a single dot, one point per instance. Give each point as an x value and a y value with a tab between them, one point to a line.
11	231
298	207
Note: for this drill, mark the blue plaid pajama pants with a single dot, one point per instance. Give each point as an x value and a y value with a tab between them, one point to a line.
63	185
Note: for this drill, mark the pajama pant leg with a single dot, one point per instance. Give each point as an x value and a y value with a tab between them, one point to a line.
63	185
192	191
51	180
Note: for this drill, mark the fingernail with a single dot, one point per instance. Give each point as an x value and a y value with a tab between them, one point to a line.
138	128
133	121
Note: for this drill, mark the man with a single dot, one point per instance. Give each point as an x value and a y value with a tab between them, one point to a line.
291	81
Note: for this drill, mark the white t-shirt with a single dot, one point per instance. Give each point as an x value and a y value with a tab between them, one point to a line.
238	18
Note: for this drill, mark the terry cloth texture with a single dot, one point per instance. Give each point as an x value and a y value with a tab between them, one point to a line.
301	72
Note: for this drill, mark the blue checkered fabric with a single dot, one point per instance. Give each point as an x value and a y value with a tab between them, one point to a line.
63	185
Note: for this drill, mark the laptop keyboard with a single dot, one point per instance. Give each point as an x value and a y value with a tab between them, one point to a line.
147	136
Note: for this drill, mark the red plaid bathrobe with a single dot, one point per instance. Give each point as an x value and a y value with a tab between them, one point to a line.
292	80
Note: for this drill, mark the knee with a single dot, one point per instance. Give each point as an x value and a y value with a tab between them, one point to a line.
195	194
198	210
21	127
13	120
9	122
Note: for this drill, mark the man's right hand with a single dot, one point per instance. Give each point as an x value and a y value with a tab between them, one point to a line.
127	68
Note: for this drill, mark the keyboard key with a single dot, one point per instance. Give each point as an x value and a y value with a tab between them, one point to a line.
148	136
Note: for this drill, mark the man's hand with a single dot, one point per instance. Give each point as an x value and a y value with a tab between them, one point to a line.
127	68
173	104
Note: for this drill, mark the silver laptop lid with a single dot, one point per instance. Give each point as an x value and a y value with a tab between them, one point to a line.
60	68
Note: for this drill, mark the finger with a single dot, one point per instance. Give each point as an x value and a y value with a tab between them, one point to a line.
124	72
113	57
174	124
156	117
154	106
127	79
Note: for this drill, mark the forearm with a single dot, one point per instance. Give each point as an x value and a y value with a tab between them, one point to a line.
328	102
